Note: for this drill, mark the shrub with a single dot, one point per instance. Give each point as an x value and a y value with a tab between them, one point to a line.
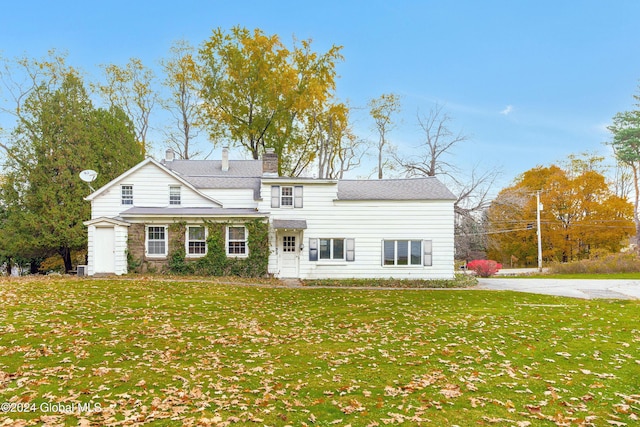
608	264
484	267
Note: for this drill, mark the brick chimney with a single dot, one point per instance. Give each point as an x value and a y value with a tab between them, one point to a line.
270	163
170	155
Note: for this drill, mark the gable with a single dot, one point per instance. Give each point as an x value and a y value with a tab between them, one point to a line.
151	174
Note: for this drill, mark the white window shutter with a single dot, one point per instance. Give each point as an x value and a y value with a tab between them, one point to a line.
275	196
313	249
351	249
427	249
297	195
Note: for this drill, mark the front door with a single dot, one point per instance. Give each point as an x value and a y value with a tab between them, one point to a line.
289	254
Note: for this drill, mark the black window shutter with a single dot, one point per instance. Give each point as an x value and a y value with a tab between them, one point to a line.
313	249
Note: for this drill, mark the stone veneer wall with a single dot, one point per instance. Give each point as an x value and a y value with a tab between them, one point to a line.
136	251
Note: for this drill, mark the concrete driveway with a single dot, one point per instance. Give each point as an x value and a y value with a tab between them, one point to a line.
576	288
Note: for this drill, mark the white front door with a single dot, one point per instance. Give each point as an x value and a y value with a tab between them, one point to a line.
104	250
289	254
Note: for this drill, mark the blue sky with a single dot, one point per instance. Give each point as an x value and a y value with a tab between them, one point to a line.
529	81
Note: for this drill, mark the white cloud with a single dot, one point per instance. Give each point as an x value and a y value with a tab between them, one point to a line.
507	110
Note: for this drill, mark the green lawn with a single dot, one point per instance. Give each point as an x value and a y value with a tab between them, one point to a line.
143	351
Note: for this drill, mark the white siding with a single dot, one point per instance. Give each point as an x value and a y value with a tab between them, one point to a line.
150	189
121	234
122	237
233	198
369	223
90	250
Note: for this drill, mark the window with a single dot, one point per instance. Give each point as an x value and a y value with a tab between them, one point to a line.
156	241
126	192
288	243
402	252
286	196
332	249
174	195
196	241
236	241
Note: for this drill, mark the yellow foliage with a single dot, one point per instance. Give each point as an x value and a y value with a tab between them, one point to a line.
580	214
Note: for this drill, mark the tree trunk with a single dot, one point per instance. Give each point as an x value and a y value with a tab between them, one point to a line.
636	219
65	253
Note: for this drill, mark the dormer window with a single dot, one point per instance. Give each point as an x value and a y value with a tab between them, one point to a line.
174	195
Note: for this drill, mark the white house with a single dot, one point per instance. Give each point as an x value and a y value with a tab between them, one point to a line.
317	228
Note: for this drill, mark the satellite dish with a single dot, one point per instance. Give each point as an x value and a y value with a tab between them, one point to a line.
88	175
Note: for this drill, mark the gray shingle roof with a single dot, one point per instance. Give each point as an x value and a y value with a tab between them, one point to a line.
205	174
209	174
291	224
237	168
428	188
196	211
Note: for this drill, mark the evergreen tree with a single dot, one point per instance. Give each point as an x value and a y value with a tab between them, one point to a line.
59	134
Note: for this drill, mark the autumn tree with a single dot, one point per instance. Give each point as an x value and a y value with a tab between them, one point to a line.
338	149
131	88
581	214
183	79
261	93
326	144
382	110
58	133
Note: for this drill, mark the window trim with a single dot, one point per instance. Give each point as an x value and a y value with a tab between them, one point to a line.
228	240
126	199
165	229
282	196
349	250
409	255
187	240
173	201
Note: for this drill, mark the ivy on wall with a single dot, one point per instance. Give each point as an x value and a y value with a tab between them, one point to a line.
216	262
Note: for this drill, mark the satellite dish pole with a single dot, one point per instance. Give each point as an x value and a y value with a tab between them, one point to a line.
89	176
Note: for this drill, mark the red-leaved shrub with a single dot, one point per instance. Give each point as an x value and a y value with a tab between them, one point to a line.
484	267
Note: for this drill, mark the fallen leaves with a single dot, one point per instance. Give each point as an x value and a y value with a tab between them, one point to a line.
201	354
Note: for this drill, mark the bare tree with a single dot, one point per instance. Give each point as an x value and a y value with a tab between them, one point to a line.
439	140
474	191
182	78
431	159
130	88
20	79
338	149
622	182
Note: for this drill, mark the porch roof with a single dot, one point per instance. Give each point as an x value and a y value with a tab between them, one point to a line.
290	224
199	212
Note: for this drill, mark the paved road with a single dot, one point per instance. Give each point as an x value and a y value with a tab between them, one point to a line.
586	289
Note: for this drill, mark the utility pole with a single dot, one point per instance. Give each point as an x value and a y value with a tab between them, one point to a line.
538	209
